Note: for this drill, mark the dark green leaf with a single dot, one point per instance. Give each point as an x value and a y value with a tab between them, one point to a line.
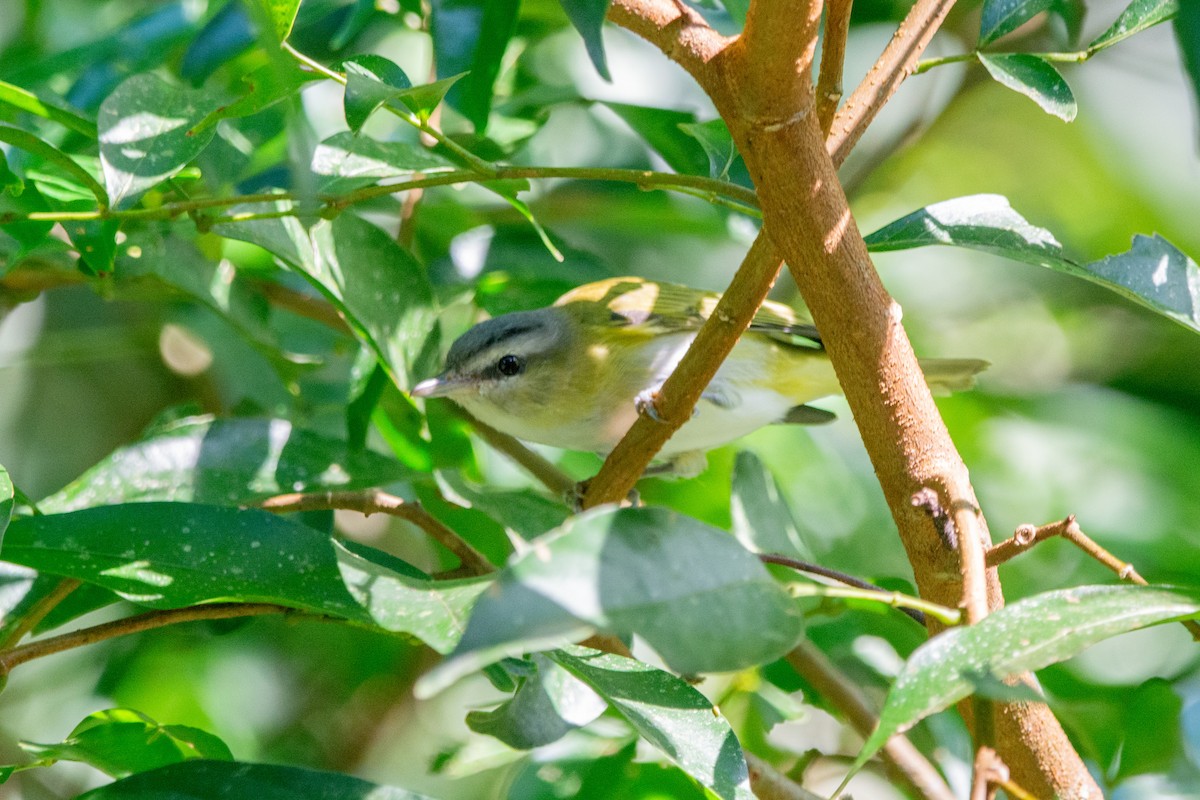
345	157
509	191
122	741
1153	272
229	780
471	36
1187	33
31	144
236	461
663	130
47	108
1000	17
669	714
281	14
370	82
1035	78
1151	730
1137	17
717	142
96	241
547	706
146	134
10	182
762	521
7	494
674	581
423	99
588	18
1025	636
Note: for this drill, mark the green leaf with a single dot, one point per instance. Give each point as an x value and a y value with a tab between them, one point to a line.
674	581
588	18
345	157
471	36
236	461
1000	17
509	190
172	555
47	108
122	741
7	500
231	780
1137	17
423	99
281	15
1153	273
668	713
1035	78
31	144
1025	636
96	241
380	288
265	86
146	134
717	142
662	129
762	521
547	706
1187	34
371	81
10	182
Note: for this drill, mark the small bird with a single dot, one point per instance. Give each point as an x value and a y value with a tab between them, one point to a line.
576	374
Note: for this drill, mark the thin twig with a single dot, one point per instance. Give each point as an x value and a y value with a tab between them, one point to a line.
988	770
675	401
897	600
768	783
1026	536
907	763
834	575
833	58
142	622
550	476
898	61
304	305
39	611
374	501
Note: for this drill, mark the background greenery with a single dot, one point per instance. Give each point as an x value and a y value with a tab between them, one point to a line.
1091	405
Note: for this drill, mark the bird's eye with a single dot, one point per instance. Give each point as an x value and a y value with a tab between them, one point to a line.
510	364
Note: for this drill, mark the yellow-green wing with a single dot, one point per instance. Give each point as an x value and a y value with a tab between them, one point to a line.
671	307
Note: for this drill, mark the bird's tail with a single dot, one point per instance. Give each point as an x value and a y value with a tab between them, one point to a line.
946	375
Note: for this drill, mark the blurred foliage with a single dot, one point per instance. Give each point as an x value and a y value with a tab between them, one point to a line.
210	296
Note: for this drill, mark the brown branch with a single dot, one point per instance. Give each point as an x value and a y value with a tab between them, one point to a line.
680	393
907	763
676	29
374	501
545	472
833	58
1026	536
898	61
767	783
137	624
39	611
304	305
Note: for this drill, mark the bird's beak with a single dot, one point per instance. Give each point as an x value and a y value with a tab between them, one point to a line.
435	387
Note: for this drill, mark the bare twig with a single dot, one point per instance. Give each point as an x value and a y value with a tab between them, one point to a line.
545	472
767	783
305	305
834	575
907	763
898	61
989	769
1026	536
833	57
142	622
39	611
374	501
681	391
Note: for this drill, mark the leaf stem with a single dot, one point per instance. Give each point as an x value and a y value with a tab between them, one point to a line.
943	614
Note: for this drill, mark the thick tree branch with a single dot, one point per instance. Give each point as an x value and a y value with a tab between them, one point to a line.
681	392
898	61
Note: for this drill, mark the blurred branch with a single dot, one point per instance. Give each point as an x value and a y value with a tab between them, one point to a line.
898	61
675	401
908	765
39	611
1026	536
137	624
374	501
840	577
767	783
301	304
550	476
833	58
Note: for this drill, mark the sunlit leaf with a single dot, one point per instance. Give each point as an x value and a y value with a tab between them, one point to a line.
588	18
281	14
345	157
1025	636
236	461
32	144
122	742
1153	273
146	134
7	494
48	108
1000	17
1137	17
668	713
264	87
1035	78
672	580
547	706
236	780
